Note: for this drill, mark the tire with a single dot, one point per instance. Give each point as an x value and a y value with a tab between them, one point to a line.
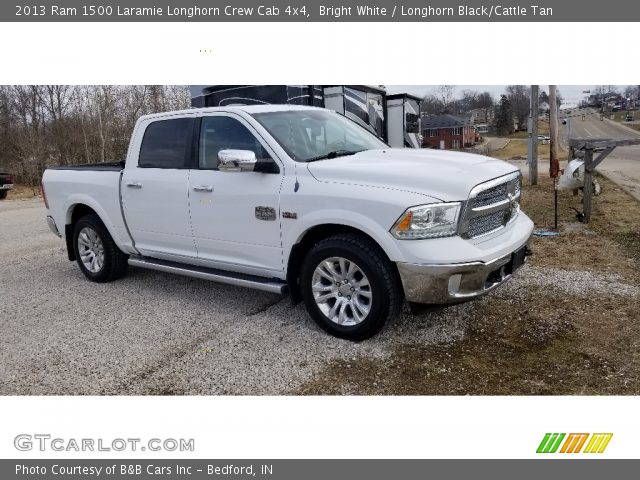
368	293
3	194
97	255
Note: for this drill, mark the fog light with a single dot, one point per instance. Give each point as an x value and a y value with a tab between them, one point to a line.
454	283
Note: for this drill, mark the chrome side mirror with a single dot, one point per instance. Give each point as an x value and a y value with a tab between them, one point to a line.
236	161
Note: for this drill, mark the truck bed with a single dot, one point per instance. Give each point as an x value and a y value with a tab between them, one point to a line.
96	186
96	167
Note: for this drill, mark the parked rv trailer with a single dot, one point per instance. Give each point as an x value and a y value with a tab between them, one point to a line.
227	95
403	121
365	105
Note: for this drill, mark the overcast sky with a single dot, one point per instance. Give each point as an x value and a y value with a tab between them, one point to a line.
572	94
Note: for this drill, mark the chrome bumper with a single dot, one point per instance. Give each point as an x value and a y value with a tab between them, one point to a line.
6	186
52	225
458	282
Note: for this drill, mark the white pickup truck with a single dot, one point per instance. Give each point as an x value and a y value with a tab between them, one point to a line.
299	200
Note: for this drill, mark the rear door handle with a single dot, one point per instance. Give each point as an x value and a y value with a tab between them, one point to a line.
203	188
134	185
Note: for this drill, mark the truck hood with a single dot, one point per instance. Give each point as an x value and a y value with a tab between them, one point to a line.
444	175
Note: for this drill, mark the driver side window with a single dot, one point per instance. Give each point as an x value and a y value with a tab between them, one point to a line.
225	133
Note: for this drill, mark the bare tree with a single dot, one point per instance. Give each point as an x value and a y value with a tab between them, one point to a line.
42	125
431	105
472	99
519	99
446	95
468	101
632	92
486	102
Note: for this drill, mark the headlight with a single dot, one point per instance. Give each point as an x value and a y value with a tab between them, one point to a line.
428	221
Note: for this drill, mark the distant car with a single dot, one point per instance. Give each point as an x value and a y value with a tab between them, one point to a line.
6	184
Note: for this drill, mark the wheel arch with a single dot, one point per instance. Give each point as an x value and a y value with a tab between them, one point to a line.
311	237
74	212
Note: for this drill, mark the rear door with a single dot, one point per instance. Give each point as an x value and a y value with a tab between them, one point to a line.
235	215
155	193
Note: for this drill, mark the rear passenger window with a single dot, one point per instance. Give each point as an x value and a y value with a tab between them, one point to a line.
226	133
165	144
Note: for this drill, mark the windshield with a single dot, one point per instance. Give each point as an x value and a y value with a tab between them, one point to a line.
308	135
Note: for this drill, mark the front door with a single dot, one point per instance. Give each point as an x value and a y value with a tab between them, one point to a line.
235	216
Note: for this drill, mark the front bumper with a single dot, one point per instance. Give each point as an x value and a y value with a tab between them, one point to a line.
458	282
6	186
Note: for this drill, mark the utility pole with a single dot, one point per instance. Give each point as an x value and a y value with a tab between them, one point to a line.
554	164
532	150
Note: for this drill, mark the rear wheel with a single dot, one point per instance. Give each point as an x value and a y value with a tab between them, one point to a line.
97	255
349	286
3	194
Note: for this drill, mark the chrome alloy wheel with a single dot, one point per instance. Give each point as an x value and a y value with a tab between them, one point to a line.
91	249
341	291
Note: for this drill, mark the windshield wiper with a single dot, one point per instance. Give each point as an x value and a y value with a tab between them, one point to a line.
334	154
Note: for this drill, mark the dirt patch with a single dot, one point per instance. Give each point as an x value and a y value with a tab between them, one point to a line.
534	342
630	241
22	192
609	243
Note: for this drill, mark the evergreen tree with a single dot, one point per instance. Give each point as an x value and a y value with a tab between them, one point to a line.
504	117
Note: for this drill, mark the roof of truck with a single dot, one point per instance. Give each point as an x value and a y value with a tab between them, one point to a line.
235	108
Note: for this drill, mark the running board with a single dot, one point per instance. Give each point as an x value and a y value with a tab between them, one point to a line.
271	285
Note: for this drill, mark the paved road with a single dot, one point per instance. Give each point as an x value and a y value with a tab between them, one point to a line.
623	165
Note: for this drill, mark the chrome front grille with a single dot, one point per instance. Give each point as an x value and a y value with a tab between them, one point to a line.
491	206
491	196
486	223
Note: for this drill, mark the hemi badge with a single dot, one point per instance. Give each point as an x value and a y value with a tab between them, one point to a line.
291	215
266	213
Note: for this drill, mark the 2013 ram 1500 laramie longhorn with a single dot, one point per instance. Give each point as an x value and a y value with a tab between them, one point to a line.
295	199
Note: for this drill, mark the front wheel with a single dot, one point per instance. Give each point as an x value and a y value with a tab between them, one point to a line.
98	257
3	194
349	286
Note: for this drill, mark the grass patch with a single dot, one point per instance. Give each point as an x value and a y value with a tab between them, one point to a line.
605	244
629	240
621	116
521	134
565	345
23	192
516	149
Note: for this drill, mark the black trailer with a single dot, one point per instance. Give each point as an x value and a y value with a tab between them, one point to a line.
222	95
365	105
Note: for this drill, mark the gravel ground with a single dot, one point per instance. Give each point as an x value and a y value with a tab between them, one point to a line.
154	333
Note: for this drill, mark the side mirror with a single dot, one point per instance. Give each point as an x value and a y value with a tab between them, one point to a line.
236	161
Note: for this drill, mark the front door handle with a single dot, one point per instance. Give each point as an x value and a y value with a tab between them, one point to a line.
203	188
134	185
